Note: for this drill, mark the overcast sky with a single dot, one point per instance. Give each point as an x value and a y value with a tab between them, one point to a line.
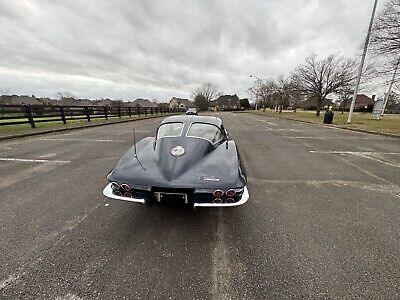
164	48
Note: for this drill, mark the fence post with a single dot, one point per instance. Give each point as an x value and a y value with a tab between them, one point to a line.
151	110
62	113
106	112
129	112
145	111
119	111
138	111
29	115
86	109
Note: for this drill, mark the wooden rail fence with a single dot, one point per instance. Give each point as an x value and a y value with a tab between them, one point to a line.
32	114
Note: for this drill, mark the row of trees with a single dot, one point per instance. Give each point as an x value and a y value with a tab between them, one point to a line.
318	78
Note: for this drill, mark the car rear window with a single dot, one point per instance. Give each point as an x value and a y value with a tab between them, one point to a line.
205	131
170	130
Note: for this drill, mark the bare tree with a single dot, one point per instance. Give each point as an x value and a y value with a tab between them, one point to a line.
287	94
201	102
263	90
320	78
385	40
385	37
209	90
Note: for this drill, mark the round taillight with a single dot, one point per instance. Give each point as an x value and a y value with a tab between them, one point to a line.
217	200
115	186
118	193
231	193
218	193
230	200
125	187
128	195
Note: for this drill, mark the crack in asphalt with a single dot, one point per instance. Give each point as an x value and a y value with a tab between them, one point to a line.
221	272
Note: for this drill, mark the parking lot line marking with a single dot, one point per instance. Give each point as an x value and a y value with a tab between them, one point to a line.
300	130
33	160
354	152
340	138
267	122
84	140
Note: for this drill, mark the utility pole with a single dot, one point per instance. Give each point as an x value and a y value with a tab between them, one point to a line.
390	86
258	88
353	102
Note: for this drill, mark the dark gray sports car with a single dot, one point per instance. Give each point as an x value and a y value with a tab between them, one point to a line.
190	161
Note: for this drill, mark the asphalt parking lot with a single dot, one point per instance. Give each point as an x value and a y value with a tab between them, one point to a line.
322	222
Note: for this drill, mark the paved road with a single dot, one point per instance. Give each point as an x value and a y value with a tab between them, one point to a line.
322	221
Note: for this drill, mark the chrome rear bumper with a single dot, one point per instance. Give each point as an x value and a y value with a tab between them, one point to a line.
108	192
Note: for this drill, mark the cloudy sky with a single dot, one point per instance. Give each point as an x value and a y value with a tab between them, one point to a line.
127	49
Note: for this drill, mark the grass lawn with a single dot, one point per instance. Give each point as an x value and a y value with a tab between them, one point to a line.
388	123
26	128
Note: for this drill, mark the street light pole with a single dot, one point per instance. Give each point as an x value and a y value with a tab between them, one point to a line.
258	88
390	85
353	102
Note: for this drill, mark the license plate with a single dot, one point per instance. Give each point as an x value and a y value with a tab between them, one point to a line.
171	197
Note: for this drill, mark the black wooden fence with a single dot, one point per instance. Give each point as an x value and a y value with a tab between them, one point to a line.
32	114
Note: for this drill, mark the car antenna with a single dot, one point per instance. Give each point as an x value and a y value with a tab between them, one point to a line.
134	147
134	141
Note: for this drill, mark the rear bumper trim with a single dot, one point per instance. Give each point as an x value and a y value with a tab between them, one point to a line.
108	192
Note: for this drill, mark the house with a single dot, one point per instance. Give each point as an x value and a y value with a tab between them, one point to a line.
5	99
140	102
46	101
363	103
226	102
311	103
67	101
180	102
84	102
163	105
103	102
19	100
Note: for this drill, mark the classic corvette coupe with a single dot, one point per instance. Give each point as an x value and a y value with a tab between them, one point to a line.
191	161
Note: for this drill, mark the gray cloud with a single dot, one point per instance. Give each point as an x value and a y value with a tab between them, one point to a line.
159	49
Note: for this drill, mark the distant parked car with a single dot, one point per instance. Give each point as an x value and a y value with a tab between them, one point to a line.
192	111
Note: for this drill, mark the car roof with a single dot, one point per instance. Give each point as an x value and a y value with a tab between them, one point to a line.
188	119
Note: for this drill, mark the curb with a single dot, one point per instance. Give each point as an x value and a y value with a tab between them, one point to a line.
27	134
332	125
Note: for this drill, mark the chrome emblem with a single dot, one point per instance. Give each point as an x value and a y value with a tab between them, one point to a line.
208	178
178	151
